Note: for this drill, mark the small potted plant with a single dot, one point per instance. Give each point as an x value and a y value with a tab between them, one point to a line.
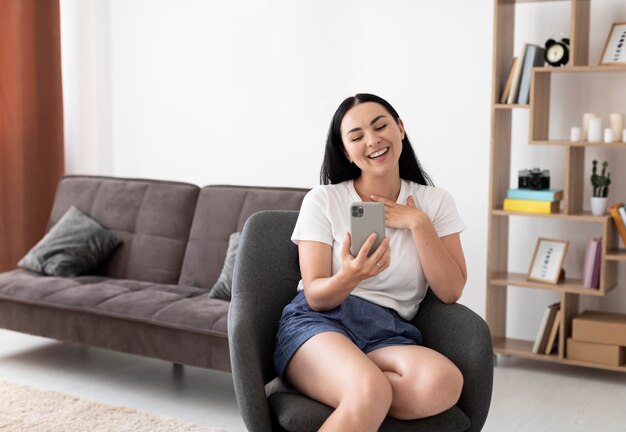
600	183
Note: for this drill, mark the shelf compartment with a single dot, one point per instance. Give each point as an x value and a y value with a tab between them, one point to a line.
572	286
523	349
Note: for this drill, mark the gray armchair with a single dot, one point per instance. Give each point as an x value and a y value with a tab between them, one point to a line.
266	275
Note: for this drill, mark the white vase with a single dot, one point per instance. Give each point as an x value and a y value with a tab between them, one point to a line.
598	205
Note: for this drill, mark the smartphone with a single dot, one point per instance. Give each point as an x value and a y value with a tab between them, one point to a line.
365	219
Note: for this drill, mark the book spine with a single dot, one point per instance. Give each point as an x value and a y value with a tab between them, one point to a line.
552	310
542	328
512	98
620	224
590	254
509	81
539	195
595	279
532	57
531	206
622	213
552	340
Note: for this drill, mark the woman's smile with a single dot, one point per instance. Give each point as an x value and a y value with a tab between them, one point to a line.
380	154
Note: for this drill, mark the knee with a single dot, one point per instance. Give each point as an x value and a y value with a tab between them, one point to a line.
446	382
370	395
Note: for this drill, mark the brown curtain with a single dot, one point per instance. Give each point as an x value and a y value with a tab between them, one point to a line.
31	122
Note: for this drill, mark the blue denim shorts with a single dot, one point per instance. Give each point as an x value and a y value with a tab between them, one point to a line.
368	325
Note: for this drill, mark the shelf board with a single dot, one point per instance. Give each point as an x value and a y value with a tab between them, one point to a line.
537	1
510	106
616	255
618	144
523	349
573	286
520	348
579	69
579	217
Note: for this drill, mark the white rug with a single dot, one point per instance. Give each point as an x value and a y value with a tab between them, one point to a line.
23	408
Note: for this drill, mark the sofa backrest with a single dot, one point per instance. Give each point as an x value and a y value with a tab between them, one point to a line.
153	218
222	210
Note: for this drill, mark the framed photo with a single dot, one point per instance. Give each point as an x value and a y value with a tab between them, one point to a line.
614	52
547	261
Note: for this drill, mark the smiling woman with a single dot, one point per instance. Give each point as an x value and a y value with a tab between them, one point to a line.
345	339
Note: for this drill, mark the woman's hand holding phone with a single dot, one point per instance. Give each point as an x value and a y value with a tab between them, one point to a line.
357	269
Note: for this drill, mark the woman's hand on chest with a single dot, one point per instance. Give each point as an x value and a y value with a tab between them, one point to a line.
402	216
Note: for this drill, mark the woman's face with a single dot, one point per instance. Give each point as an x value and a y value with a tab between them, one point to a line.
371	137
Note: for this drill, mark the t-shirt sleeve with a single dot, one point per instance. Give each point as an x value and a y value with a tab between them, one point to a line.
447	220
313	223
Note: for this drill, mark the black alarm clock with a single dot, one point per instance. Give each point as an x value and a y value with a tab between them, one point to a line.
557	52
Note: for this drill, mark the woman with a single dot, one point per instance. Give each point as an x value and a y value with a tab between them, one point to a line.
344	340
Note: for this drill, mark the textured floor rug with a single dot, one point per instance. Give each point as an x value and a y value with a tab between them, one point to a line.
23	408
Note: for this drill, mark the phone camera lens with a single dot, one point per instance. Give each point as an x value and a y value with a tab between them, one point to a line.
357	211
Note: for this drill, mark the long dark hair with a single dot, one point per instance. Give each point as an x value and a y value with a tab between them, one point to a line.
336	167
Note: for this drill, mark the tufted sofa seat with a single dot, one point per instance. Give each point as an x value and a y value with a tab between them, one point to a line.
150	296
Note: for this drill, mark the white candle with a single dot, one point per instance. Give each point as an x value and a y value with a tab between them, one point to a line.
594	132
575	134
608	135
624	135
616	120
586	118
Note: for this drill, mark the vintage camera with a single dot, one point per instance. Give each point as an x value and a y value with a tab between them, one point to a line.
534	179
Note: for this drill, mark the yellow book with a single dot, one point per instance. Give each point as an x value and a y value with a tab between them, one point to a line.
531	206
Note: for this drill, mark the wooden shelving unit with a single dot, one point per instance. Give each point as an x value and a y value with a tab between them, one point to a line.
499	279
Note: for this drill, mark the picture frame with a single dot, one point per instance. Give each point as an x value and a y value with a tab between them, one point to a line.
547	263
614	52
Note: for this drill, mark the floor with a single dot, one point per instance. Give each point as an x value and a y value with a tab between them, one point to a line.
528	396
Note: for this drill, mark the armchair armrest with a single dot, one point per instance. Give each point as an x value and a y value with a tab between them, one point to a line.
462	336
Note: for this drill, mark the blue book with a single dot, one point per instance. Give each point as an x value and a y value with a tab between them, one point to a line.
536	194
533	57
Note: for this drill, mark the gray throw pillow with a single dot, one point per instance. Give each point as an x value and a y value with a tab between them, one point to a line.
222	288
75	245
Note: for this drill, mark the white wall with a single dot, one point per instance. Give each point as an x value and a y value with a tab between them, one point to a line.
242	92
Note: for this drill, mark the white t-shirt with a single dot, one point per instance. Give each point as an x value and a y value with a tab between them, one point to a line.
325	217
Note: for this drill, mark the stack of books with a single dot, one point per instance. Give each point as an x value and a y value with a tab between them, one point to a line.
546	341
544	201
591	267
517	86
618	212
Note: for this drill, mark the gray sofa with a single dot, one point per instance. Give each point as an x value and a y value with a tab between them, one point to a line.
150	296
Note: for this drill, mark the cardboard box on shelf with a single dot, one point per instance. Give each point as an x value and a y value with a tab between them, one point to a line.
600	327
611	355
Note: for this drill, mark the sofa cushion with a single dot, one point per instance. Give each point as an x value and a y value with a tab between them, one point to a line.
153	219
222	210
181	307
223	286
72	247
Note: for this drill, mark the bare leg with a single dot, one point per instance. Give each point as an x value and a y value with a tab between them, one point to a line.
424	382
331	369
